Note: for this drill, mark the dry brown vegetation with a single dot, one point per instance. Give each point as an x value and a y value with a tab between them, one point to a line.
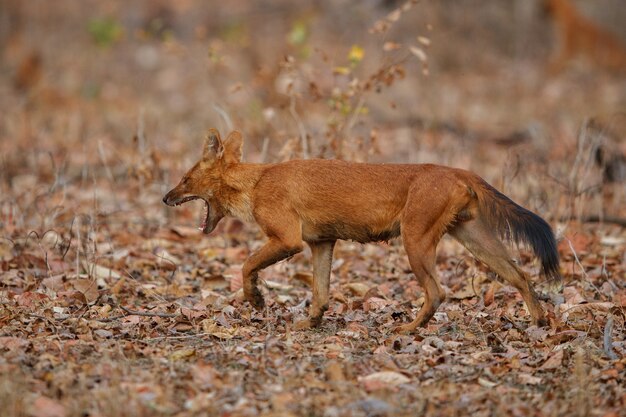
112	304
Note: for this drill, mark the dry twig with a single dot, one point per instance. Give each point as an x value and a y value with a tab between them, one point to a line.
608	343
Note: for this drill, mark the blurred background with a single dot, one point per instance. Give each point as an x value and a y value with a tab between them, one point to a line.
105	104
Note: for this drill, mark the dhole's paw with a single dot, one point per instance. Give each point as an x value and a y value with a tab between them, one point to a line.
309	323
258	302
403	329
542	322
256	299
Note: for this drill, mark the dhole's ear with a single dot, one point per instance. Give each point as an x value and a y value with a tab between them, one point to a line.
213	147
232	147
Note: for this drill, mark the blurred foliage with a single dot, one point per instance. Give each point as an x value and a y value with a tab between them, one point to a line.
298	36
356	54
105	31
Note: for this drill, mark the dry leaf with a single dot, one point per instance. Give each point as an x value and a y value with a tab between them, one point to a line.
334	372
374	303
528	379
486	383
419	53
47	407
88	287
236	280
423	40
391	46
382	380
572	296
305	277
101	272
217	282
489	294
181	354
210	326
357	288
394	15
554	361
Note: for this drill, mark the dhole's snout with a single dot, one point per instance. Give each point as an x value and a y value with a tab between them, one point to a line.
176	198
168	199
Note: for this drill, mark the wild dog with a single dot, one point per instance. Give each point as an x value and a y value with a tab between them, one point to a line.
321	201
579	36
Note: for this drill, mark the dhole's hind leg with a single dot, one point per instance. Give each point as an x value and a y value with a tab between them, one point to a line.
422	260
422	228
487	247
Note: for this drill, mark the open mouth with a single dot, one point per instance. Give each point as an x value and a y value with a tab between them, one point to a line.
204	224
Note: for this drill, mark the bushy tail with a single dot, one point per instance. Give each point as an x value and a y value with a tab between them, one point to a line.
517	224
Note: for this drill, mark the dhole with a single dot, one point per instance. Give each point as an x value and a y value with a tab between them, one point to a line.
579	36
320	201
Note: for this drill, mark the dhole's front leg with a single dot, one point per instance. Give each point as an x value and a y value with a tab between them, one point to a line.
322	260
273	251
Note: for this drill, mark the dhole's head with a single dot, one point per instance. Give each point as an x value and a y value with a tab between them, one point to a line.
204	180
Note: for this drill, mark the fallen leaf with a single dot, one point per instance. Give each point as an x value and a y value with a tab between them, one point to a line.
47	407
423	40
572	295
305	277
528	379
489	294
55	283
384	379
181	354
391	46
11	343
236	280
211	327
357	288
483	382
374	303
579	242
216	282
88	287
419	53
103	333
334	372
31	299
103	272
275	285
554	361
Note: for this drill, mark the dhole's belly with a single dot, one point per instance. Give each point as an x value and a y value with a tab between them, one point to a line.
362	233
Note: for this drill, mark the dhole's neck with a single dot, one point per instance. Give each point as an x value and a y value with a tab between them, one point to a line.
235	195
243	177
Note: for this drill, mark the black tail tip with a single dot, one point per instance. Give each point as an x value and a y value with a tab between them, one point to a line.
553	276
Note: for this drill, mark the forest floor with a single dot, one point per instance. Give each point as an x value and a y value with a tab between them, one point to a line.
154	324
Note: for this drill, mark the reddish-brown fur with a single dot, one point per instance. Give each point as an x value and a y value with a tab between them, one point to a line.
579	36
320	201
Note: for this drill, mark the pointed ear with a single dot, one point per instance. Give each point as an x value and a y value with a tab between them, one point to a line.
233	147
213	147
